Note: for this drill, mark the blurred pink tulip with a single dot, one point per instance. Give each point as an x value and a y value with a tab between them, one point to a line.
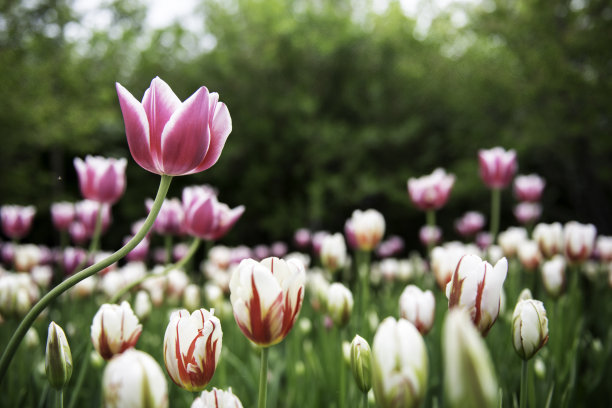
16	220
206	217
470	223
167	136
71	258
529	188
87	214
527	212
101	179
140	252
78	233
62	215
497	166
302	238
170	218
430	235
431	192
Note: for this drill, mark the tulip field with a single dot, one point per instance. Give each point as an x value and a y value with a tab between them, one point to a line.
510	316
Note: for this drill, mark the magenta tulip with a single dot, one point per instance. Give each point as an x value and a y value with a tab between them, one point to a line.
16	220
470	223
167	136
101	179
169	221
497	167
87	214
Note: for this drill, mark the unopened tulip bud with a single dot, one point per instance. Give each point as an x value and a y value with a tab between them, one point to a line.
333	252
469	377
418	307
192	347
217	399
267	297
58	359
529	327
553	276
361	363
339	303
476	286
549	238
511	238
142	305
114	329
539	368
399	364
604	248
134	379
31	338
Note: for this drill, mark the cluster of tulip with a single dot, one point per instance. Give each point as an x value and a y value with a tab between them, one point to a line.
431	321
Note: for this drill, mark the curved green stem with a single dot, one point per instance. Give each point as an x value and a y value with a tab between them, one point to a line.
29	318
263	378
192	249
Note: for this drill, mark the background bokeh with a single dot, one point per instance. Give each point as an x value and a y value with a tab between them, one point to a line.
334	105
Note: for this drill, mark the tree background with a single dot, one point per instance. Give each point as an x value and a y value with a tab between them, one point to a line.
334	106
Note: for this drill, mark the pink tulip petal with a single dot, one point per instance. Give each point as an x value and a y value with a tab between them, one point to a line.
186	137
201	217
159	103
136	129
220	129
107	188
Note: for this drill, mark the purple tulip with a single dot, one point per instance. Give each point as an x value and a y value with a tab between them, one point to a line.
62	215
497	166
167	136
16	220
101	179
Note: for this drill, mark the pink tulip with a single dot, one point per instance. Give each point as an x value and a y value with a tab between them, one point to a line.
261	251
278	249
101	179
167	136
431	192
140	252
319	236
527	212
170	218
71	258
206	217
87	214
497	166
470	223
529	188
392	246
430	235
302	238
240	253
78	233
62	215
16	220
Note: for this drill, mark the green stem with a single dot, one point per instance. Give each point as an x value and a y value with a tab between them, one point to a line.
63	239
168	244
495	210
430	217
364	275
342	400
79	383
365	400
95	239
37	309
263	378
59	401
524	368
192	249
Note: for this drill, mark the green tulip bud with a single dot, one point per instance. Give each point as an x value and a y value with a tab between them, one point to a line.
58	359
361	363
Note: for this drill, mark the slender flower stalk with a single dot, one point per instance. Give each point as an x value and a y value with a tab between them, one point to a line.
524	373
263	378
28	320
495	210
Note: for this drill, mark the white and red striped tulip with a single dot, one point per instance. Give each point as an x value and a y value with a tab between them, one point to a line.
604	248
267	297
192	347
217	399
114	329
418	307
579	241
365	229
339	303
529	327
476	286
529	254
333	252
549	238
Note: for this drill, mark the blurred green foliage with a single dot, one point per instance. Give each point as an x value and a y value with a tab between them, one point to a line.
334	106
